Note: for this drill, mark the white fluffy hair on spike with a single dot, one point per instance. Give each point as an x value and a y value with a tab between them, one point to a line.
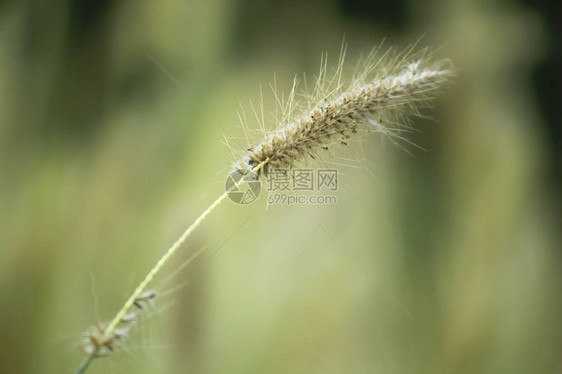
384	90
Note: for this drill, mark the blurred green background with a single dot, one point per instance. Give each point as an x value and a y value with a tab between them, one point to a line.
104	161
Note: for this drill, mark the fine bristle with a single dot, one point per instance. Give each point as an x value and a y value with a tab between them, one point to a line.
383	91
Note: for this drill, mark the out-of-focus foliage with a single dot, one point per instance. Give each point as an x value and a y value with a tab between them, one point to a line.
104	160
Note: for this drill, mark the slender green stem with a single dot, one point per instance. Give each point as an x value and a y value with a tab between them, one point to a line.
109	330
87	361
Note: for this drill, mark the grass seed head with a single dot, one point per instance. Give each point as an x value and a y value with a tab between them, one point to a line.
377	99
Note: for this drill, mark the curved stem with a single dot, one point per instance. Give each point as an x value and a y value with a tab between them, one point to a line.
108	331
110	328
87	361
